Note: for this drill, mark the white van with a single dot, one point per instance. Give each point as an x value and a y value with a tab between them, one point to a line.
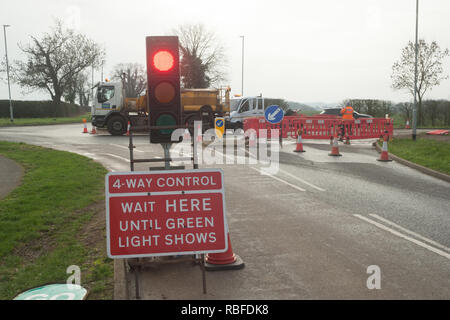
244	107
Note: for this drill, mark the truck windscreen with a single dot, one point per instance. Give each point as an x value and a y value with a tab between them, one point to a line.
234	104
105	93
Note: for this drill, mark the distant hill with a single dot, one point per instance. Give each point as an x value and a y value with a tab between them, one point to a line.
323	105
302	106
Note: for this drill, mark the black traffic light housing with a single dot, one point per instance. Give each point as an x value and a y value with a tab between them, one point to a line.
163	78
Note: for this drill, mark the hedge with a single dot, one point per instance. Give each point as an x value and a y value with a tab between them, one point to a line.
40	109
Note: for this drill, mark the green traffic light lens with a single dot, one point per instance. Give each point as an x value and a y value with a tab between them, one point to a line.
166	120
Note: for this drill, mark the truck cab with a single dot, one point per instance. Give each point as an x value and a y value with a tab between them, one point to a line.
107	103
245	107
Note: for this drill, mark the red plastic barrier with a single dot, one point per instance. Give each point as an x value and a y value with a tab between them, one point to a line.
323	128
438	132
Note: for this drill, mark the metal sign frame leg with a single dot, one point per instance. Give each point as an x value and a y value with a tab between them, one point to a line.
137	264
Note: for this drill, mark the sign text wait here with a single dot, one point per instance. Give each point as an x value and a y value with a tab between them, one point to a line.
165	213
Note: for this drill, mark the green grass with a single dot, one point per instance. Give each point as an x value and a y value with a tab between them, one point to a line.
5	122
426	152
399	123
42	222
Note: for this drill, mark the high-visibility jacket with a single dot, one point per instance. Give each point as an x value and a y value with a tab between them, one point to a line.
347	113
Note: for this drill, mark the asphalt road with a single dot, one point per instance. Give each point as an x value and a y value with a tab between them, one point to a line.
309	231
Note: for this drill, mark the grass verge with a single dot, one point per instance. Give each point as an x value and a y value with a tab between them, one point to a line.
5	122
54	219
429	153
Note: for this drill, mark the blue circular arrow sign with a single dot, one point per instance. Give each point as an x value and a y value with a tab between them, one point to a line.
219	123
274	114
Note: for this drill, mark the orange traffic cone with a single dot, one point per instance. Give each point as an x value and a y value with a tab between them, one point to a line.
407	125
85	130
128	128
299	147
223	261
384	150
93	131
335	148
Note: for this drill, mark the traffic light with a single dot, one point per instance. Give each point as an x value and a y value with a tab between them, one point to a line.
163	78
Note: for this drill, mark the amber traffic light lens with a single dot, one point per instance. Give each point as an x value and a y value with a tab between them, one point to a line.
163	60
164	92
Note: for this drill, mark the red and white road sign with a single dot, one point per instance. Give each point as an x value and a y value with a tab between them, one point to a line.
157	213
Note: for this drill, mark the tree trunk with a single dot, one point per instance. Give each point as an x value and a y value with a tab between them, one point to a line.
56	103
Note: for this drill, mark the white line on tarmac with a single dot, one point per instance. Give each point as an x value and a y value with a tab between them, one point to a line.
297	178
301	180
124	147
118	157
436	244
278	179
401	235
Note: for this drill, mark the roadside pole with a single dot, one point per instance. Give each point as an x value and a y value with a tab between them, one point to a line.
7	74
414	111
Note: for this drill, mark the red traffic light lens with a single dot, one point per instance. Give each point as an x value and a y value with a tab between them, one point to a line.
163	60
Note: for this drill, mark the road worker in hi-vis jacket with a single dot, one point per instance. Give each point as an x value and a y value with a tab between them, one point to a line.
347	116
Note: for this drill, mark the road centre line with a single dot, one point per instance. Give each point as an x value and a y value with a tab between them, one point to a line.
278	179
410	232
401	235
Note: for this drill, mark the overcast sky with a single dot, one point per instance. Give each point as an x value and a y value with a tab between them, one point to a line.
305	51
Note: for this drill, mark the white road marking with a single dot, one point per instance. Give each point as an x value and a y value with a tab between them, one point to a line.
118	157
125	147
297	178
401	235
278	179
301	180
436	244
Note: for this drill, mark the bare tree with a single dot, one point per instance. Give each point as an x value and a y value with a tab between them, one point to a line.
405	108
430	71
202	57
133	77
54	61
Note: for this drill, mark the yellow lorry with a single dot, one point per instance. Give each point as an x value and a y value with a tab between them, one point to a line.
113	110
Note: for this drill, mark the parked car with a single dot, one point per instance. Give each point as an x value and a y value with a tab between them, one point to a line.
337	112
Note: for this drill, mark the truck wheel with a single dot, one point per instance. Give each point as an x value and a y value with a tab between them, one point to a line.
116	125
190	122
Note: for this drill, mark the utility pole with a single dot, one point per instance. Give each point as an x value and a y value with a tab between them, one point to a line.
103	62
92	86
242	88
414	111
7	74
